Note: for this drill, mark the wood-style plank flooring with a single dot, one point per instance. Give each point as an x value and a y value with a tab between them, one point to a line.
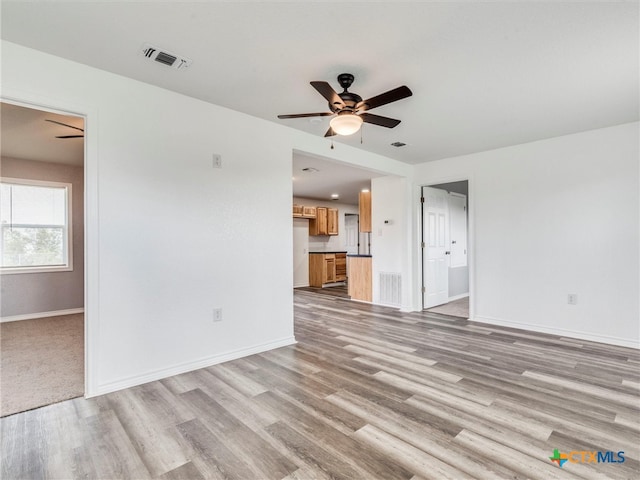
367	393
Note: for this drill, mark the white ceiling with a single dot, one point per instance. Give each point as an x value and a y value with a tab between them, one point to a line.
330	178
26	134
484	75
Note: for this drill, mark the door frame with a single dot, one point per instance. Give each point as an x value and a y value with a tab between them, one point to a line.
91	223
470	237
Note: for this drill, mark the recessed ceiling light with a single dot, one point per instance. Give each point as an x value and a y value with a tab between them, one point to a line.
398	144
335	195
364	190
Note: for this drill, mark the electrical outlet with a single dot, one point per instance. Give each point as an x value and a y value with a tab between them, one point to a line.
572	299
217	314
217	161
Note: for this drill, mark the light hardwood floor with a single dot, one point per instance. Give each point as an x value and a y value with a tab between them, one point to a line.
367	393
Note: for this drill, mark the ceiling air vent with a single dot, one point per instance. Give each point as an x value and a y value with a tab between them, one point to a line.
166	58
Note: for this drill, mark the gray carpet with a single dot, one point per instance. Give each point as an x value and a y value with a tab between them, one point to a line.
42	362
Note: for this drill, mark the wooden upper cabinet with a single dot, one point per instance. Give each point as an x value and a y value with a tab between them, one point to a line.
319	225
365	212
332	221
322	220
304	211
309	212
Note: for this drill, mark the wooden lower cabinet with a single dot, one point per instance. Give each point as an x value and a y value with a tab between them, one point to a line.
327	268
360	278
341	267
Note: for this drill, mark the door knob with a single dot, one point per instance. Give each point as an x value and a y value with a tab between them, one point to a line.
447	253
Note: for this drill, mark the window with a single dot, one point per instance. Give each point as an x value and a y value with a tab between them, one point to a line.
35	218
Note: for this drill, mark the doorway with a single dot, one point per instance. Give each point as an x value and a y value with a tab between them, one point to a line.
352	229
445	269
43	317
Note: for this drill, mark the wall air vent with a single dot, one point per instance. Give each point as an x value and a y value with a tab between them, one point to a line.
166	58
390	289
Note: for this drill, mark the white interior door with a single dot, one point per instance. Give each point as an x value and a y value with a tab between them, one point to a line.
435	255
351	234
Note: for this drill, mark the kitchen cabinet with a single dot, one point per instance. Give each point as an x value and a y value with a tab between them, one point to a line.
327	267
322	220
365	212
360	278
325	222
308	212
319	225
303	211
341	267
332	221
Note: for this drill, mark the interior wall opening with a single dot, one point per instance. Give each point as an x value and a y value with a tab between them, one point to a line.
42	310
445	248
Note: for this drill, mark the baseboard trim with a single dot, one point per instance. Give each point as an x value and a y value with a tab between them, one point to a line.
592	337
458	297
33	316
188	367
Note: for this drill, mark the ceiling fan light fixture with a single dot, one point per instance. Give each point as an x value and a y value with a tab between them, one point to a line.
346	123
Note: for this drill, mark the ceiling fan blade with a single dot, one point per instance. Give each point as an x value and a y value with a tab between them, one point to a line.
330	133
379	120
64	124
71	136
329	93
384	98
302	115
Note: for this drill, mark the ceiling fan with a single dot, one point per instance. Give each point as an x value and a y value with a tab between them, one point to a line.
66	125
350	109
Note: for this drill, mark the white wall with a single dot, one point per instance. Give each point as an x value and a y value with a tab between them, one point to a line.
176	237
550	218
169	238
390	242
300	252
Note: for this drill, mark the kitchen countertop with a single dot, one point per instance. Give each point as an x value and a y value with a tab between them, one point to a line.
336	251
358	255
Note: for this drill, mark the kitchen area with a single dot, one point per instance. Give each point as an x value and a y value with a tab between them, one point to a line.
332	246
